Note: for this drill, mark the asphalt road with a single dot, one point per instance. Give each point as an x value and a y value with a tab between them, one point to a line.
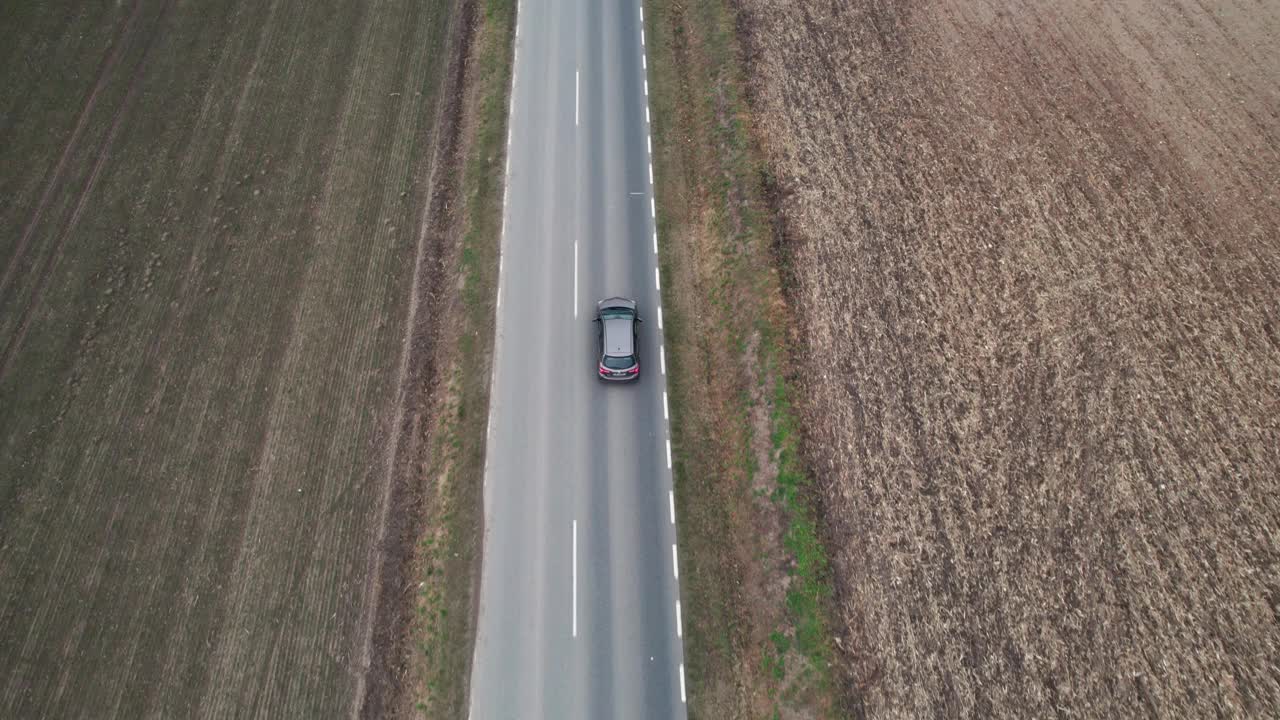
578	599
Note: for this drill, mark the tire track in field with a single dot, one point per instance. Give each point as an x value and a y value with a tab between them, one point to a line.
82	120
161	328
184	645
82	200
229	659
387	161
269	39
360	338
300	658
252	693
93	468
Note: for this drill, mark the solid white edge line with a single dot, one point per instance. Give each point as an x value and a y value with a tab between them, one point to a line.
664	405
679	624
575	578
682	684
657	282
659	317
668	453
671	502
675	564
662	356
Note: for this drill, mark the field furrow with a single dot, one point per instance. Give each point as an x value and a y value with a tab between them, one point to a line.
194	426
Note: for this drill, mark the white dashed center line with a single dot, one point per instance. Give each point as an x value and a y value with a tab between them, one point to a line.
575	578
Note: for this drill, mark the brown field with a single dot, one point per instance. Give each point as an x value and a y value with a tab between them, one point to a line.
1033	253
210	219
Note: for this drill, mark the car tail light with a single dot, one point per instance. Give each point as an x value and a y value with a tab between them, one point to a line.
635	369
604	370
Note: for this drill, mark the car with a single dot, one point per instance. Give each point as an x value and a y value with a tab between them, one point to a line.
617	329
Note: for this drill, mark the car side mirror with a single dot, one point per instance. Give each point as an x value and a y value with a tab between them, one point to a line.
639	319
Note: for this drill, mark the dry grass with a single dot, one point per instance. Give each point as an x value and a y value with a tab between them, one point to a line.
750	564
1035	252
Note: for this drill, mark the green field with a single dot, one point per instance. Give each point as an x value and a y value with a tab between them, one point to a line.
210	215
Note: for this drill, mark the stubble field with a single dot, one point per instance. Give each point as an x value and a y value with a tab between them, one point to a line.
1033	253
210	215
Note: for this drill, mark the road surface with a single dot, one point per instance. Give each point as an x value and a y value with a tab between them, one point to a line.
579	614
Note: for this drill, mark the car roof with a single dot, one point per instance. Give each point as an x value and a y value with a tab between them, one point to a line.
618	336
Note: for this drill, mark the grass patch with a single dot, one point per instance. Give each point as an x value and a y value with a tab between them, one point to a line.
755	572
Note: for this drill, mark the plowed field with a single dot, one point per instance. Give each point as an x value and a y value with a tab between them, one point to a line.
1034	253
210	215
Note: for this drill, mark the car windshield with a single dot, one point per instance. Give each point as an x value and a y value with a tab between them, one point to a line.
619	363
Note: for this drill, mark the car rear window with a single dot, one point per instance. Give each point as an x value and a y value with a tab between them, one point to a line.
619	363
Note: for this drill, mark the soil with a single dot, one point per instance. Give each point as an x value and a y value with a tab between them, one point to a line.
1034	254
213	217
